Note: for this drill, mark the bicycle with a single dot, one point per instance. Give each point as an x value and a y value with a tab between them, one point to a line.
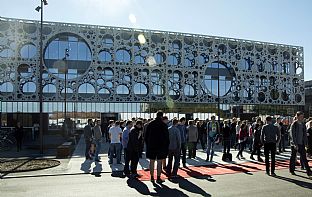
7	140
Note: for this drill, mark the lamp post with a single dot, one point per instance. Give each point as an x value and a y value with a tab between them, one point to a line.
218	85
40	9
65	89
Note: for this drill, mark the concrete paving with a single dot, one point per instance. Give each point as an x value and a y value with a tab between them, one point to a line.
77	177
78	165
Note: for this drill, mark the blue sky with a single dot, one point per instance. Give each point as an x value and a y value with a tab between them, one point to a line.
278	21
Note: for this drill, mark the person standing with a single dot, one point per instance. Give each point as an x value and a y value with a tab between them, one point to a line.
157	144
125	140
115	133
88	138
97	132
213	131
257	142
201	133
226	137
182	128
270	136
277	124
18	134
133	147
174	149
298	136
309	135
242	139
192	137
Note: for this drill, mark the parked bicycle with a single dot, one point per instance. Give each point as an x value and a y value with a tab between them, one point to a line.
7	140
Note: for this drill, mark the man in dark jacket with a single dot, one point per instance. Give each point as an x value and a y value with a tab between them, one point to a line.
157	143
88	138
270	136
133	147
298	136
19	133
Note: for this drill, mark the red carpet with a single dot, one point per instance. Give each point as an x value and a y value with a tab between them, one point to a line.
218	169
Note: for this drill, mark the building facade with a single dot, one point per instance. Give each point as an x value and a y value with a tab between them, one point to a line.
123	70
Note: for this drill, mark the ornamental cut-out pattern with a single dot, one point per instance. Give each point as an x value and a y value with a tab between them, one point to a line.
113	64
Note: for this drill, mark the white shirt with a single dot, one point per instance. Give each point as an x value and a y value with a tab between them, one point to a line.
115	132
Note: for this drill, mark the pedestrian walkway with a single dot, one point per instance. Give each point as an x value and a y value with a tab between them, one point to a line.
77	164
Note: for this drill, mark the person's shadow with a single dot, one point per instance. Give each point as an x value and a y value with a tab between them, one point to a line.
189	186
297	182
139	186
97	169
86	166
163	190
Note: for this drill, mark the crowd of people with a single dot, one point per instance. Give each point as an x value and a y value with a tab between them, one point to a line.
165	139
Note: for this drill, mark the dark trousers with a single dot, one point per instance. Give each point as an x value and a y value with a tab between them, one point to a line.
241	148
88	146
226	145
19	144
270	148
183	151
202	141
281	145
192	149
256	149
127	161
176	155
303	158
134	159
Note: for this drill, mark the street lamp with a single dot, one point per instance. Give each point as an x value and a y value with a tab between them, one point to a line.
40	8
65	88
218	85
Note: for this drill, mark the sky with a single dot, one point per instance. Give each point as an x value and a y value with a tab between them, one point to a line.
277	21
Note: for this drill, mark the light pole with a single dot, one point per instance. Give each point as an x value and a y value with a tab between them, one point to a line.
40	8
219	86
65	89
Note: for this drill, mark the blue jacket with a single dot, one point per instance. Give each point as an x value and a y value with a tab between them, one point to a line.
182	129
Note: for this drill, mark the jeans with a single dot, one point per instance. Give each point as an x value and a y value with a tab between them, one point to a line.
114	148
176	155
88	146
269	147
303	158
210	147
97	149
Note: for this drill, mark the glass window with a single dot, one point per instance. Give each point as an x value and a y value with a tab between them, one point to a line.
105	56
140	89
159	58
6	87
122	90
123	56
67	50
225	78
139	59
29	87
28	51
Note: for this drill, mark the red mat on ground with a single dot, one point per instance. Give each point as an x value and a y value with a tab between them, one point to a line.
218	169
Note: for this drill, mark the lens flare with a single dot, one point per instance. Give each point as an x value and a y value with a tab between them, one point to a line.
151	61
141	39
169	102
132	18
